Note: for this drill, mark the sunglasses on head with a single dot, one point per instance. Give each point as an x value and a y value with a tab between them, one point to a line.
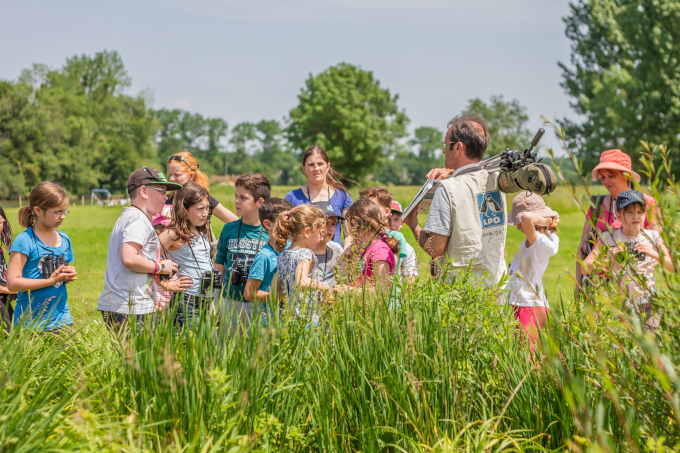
181	159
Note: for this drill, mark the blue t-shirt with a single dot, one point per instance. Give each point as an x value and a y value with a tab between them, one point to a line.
47	308
264	267
340	201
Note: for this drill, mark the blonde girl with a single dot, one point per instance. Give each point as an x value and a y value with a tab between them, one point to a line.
39	260
183	168
304	226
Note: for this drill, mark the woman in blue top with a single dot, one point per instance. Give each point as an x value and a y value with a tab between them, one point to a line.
39	261
322	185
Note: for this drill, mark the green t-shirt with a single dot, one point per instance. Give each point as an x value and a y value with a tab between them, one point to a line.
238	241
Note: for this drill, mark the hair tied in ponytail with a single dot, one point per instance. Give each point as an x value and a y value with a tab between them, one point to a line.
30	208
383	236
287	213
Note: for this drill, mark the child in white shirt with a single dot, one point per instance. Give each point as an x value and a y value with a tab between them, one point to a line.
539	224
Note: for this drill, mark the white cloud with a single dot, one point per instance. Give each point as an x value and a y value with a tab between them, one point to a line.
180	104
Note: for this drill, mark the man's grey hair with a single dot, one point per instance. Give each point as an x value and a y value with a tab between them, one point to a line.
467	129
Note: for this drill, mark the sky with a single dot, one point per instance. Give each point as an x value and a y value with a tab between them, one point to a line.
248	60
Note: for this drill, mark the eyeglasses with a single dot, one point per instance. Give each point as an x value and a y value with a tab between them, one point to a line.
447	145
181	159
157	190
59	213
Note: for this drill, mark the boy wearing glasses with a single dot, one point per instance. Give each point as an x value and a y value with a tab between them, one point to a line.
133	260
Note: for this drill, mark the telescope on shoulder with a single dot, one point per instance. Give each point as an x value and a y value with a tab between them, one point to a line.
521	170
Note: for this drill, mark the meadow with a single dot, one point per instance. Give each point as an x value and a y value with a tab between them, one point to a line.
443	372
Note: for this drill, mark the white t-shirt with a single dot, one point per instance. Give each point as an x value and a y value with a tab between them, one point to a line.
409	265
126	291
527	269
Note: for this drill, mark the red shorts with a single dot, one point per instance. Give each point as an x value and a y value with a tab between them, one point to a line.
530	319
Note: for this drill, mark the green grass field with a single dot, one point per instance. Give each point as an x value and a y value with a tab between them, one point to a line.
89	228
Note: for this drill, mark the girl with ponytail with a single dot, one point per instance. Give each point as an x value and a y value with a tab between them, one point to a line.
304	226
372	251
183	168
39	260
322	185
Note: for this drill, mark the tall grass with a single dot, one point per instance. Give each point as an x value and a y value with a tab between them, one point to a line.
446	371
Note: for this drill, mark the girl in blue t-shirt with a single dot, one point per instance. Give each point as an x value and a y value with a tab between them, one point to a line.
39	261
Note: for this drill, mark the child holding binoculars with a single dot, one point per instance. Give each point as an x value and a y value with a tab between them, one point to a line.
39	263
187	243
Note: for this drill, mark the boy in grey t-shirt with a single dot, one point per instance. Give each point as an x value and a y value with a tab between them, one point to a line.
132	262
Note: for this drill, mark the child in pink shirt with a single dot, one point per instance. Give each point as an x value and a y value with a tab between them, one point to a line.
370	261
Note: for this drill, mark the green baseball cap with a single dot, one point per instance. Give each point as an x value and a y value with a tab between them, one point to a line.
146	176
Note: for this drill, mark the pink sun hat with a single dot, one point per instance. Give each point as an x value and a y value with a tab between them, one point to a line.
615	159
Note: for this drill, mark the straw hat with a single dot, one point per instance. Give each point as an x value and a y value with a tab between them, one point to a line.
615	159
529	202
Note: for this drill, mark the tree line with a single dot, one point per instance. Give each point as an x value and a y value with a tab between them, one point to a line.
78	125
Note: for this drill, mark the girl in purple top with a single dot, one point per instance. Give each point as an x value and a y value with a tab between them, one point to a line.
322	185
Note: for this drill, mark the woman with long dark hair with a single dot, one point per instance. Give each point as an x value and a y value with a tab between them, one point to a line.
322	185
6	296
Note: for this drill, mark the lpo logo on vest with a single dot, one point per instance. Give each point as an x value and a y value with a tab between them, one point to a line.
490	206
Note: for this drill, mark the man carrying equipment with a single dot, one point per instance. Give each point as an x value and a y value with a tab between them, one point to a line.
466	224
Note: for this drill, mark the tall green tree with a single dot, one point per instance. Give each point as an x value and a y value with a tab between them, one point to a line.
74	125
624	76
506	121
346	111
181	130
19	138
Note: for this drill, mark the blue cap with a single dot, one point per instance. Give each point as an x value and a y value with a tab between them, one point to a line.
629	197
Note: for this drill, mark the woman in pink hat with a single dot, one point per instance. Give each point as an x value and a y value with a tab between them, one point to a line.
616	172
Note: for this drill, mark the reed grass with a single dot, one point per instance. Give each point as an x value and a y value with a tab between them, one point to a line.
445	371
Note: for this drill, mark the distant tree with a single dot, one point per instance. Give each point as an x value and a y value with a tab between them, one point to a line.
283	167
73	125
19	138
623	77
98	77
241	161
345	111
262	148
409	167
506	121
181	130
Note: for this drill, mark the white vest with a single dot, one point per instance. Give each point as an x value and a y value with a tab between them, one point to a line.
478	227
